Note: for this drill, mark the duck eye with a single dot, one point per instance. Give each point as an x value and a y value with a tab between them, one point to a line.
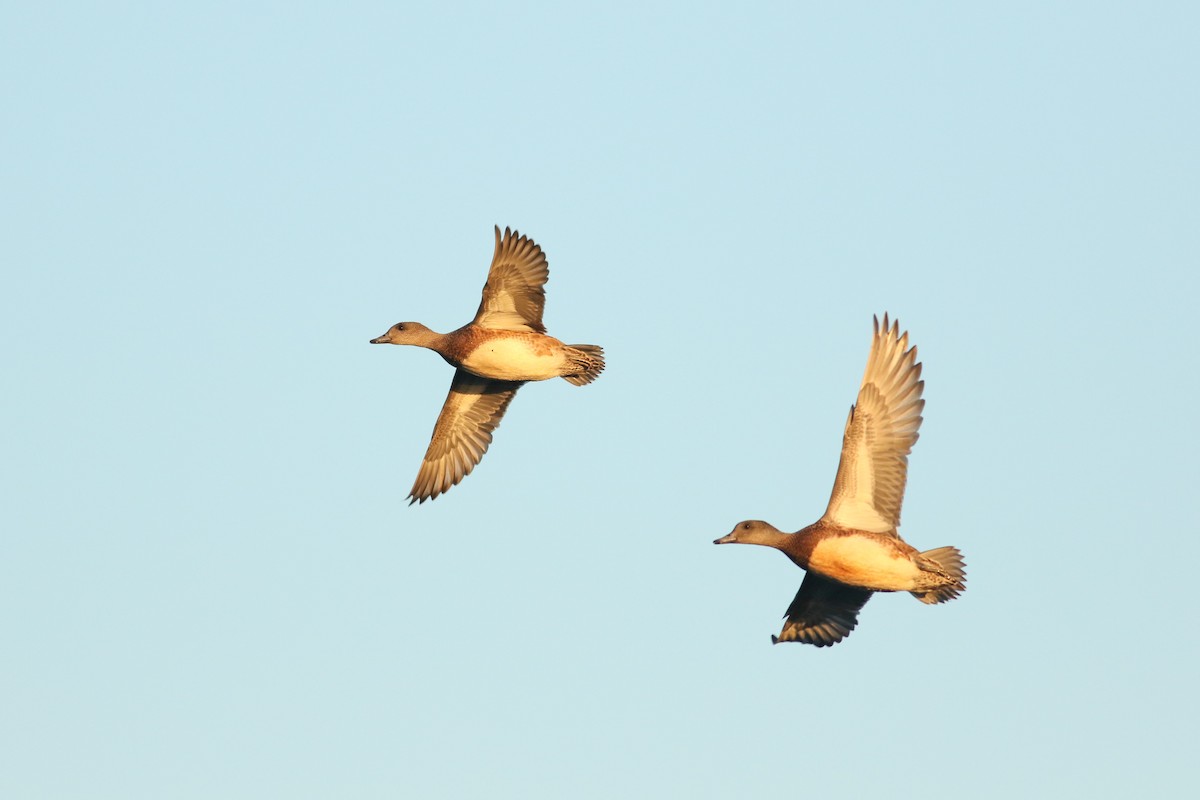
745	526
399	326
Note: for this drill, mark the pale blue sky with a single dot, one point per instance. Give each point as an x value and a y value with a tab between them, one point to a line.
212	586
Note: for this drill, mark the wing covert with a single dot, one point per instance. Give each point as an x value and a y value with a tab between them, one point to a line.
514	295
823	612
880	433
463	432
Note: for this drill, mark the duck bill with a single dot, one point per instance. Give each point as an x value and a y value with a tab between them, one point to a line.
729	538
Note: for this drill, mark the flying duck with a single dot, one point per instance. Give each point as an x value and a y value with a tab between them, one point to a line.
504	347
855	550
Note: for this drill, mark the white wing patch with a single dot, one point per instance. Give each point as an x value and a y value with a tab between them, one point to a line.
862	516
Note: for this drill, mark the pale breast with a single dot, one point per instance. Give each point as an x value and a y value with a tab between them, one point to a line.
866	561
516	358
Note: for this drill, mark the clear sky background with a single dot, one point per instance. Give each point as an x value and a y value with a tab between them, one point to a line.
210	581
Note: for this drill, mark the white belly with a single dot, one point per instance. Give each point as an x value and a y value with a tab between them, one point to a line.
515	360
861	561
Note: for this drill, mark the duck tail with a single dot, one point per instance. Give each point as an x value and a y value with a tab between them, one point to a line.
947	562
588	359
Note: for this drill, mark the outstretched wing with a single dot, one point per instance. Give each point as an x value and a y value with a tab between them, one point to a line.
514	295
823	613
880	433
463	432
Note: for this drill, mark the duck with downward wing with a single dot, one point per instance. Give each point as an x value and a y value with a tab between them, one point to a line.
854	550
496	353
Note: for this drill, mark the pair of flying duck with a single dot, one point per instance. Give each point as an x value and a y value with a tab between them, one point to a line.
853	551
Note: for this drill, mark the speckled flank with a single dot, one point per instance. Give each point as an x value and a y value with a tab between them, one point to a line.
513	356
863	560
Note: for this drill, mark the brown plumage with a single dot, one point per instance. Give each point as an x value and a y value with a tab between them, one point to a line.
855	549
501	349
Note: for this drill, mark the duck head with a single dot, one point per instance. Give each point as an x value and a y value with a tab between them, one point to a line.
406	333
753	531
